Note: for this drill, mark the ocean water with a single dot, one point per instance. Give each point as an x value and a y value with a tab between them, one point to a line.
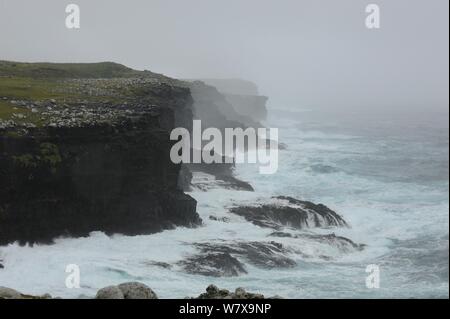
388	176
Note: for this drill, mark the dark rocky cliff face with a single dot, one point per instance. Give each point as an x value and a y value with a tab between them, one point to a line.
81	154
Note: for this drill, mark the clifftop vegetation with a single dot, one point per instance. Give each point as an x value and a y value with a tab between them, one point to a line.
53	94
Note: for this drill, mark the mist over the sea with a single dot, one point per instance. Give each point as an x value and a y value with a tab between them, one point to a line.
313	54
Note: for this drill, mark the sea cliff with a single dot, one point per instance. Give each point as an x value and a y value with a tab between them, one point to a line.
85	147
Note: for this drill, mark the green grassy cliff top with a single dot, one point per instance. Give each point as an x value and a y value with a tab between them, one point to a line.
63	94
68	70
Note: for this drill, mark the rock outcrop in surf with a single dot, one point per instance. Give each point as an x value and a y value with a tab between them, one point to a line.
228	259
286	211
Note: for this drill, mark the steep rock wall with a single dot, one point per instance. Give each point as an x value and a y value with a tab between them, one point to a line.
97	161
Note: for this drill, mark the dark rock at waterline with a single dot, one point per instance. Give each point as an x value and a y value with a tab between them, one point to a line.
227	259
266	255
290	212
205	182
219	219
213	292
330	217
222	172
214	264
158	264
342	243
231	182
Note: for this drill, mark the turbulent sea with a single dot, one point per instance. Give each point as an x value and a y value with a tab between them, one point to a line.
388	176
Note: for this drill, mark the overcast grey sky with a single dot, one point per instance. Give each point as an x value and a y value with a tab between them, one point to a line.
308	53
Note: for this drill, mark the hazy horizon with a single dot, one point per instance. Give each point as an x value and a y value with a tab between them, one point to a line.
306	54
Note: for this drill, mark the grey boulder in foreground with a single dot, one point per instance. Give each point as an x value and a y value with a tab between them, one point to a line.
130	290
136	290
